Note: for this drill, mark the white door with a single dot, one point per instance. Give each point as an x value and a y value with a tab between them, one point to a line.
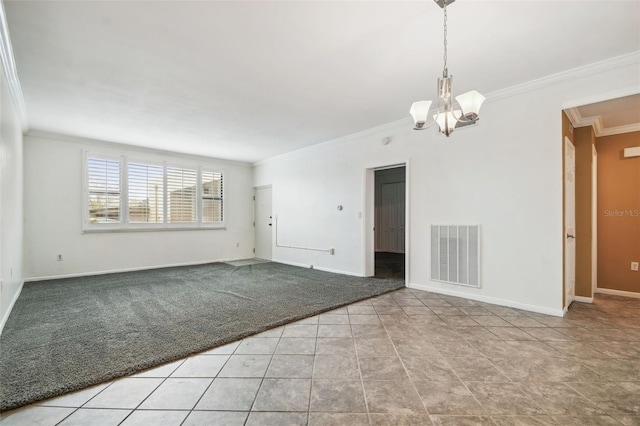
569	221
263	222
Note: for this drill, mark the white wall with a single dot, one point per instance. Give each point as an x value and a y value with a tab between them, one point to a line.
11	207
504	174
53	215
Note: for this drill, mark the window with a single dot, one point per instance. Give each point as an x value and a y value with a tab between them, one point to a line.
131	195
181	191
104	190
211	197
146	193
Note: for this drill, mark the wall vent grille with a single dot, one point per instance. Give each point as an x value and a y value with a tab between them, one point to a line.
455	254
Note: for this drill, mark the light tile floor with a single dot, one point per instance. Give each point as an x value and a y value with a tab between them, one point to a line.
404	358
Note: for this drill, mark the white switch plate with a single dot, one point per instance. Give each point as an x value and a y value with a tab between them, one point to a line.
634	266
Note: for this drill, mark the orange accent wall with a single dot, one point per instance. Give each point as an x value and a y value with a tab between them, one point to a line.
618	213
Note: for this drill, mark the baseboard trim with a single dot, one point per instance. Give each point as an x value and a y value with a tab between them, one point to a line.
618	293
13	302
115	271
492	300
319	268
583	299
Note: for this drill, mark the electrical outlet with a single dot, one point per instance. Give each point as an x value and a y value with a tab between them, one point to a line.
59	258
237	244
332	251
634	266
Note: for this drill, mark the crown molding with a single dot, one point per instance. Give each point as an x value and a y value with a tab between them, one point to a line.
585	70
401	124
9	66
619	130
590	69
46	135
596	122
574	116
577	120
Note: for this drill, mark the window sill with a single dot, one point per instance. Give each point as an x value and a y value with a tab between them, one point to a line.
151	229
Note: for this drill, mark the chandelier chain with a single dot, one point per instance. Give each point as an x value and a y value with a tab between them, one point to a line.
445	71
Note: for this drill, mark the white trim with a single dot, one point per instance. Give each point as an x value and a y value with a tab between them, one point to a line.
150	228
596	122
263	187
573	115
141	268
9	66
540	83
606	96
583	299
594	219
618	292
585	70
180	156
361	134
308	266
492	300
619	130
13	302
368	217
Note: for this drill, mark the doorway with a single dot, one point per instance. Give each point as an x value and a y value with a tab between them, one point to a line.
389	222
569	222
263	223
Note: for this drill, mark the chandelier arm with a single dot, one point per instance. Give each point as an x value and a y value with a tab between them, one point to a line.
427	126
463	118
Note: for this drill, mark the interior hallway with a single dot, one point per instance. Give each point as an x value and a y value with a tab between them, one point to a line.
389	265
408	357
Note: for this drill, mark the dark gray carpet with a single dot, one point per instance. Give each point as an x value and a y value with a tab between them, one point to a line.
67	334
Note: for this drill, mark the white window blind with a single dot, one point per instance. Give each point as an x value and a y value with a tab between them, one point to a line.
146	193
129	195
104	185
211	197
181	195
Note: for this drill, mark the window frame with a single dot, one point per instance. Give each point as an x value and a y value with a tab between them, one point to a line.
145	225
125	225
201	194
178	225
85	199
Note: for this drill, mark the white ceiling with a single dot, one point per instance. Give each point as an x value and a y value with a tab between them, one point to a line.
248	80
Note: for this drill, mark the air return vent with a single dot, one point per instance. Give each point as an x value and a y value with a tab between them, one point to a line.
455	254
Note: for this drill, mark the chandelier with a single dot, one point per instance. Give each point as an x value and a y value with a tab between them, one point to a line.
450	114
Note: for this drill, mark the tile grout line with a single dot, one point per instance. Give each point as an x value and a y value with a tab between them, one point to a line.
424	405
210	384
262	379
355	349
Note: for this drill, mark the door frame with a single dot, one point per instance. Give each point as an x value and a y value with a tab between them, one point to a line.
564	106
566	303
368	222
255	245
594	221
